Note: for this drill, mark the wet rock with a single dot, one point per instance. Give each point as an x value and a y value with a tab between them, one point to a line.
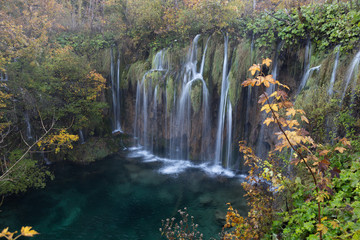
220	216
206	200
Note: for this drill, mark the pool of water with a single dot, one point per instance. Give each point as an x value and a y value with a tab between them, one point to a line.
124	196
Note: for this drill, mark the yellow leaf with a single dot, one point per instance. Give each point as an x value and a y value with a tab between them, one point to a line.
290	111
266	108
340	149
4	232
303	118
322	228
266	61
254	68
334	224
27	232
268	121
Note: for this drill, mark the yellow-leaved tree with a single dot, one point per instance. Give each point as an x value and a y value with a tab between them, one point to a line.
268	178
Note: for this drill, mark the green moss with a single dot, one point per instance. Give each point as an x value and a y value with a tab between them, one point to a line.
93	149
217	67
196	96
209	60
135	73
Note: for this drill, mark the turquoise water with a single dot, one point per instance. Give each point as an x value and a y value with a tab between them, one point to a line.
121	197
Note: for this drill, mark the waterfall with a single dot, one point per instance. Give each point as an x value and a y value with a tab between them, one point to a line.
224	101
180	138
229	135
28	126
143	98
115	87
154	123
306	77
81	137
179	122
333	74
350	74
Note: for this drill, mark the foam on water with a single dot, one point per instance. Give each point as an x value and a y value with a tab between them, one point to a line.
176	166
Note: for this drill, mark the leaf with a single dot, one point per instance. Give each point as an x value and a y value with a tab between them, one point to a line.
335	172
27	232
268	121
267	62
303	118
324	152
266	108
322	228
290	111
4	232
340	149
262	98
254	68
345	141
323	165
249	82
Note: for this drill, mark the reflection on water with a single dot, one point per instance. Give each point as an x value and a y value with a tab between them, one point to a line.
124	196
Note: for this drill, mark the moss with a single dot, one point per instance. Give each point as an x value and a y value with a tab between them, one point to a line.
209	60
169	93
175	57
217	67
135	73
239	70
93	149
321	112
196	96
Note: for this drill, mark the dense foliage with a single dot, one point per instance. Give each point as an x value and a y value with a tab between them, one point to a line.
50	52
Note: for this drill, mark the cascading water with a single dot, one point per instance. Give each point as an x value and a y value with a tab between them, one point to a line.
81	137
354	66
144	97
28	126
224	102
306	77
333	74
115	87
180	138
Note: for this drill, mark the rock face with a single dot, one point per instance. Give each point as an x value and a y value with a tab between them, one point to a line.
172	106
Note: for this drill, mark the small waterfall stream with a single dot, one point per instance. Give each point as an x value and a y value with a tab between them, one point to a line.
225	106
28	126
115	87
333	74
351	74
306	77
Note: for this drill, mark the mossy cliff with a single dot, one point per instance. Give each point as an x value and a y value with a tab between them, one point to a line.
247	120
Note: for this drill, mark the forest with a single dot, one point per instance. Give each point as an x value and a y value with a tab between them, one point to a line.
262	90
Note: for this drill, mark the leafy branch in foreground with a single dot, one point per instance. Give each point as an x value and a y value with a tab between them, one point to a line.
25	232
267	178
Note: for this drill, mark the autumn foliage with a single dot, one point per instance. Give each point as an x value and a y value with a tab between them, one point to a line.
25	232
269	179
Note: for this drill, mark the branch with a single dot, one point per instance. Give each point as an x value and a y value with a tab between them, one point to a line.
2	177
301	157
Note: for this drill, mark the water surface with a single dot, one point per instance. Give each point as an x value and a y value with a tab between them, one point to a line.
122	197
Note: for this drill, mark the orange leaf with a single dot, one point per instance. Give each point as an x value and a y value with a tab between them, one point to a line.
266	61
254	68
